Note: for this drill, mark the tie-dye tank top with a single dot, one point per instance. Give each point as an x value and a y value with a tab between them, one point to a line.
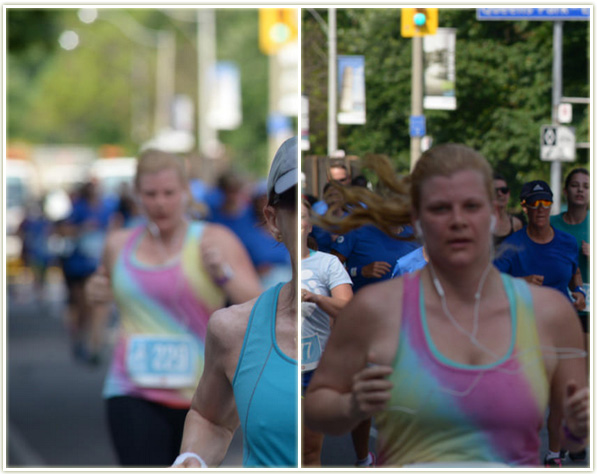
164	310
442	411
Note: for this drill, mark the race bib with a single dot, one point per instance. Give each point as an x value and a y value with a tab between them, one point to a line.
311	352
163	361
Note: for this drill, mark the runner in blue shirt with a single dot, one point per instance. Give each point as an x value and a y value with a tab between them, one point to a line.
538	252
369	253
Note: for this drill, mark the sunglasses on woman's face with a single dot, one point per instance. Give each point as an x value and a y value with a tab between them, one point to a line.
541	202
502	189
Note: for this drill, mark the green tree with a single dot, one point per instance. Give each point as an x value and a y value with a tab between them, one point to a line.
103	91
503	86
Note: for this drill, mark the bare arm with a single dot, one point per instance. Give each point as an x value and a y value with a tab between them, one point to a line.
331	305
579	298
212	418
563	339
98	289
344	389
229	265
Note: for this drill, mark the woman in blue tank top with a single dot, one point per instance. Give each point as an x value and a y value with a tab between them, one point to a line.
251	370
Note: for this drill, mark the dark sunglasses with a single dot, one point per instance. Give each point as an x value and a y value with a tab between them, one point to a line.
502	189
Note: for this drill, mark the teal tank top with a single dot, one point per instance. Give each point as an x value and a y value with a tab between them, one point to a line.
266	390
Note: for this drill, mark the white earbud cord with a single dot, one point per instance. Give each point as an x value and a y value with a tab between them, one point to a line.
472	335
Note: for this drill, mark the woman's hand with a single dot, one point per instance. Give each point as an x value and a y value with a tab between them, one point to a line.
98	289
308	296
370	390
534	279
576	410
376	269
579	301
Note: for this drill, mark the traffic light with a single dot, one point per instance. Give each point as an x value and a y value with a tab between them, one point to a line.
418	22
277	27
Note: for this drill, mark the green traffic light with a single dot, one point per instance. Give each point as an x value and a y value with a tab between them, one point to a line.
420	19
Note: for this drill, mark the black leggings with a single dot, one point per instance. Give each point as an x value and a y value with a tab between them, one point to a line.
145	433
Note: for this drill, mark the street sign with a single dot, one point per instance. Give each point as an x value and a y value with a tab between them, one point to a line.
558	143
536	14
417	126
565	113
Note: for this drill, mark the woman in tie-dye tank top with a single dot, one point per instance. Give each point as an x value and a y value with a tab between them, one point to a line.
167	276
456	362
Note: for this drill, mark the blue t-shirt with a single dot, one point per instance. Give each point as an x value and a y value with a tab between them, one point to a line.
92	223
409	263
369	244
323	238
262	247
556	261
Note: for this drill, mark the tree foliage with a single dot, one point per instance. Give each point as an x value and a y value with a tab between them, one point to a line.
104	91
503	86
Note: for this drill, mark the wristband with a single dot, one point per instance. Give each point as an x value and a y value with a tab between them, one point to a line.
228	273
580	289
572	437
354	271
184	456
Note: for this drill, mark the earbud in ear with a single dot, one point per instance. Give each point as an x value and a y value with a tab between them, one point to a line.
418	228
492	223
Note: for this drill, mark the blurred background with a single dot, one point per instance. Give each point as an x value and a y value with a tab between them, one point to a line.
86	90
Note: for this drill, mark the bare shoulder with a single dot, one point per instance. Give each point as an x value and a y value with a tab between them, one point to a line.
555	315
379	298
115	242
227	326
517	223
215	232
371	319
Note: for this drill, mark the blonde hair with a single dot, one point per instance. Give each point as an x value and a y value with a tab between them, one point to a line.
445	160
397	196
153	160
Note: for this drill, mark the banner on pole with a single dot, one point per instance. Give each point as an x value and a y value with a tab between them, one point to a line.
440	69
224	109
351	90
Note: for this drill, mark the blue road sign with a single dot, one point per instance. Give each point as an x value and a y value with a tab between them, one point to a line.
537	14
417	126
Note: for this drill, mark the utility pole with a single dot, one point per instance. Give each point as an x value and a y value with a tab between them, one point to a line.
556	165
206	50
166	65
332	84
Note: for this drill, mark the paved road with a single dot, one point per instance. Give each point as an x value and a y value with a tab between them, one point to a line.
54	407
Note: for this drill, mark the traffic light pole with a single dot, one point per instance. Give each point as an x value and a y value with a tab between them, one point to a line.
416	95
